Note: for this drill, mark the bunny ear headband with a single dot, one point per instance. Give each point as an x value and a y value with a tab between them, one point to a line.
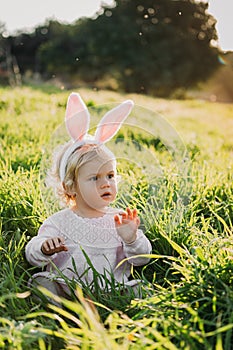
77	119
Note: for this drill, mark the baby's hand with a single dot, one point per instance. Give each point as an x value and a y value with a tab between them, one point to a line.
53	245
127	224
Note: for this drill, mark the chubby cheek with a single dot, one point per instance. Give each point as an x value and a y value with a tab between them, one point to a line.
87	191
91	191
114	190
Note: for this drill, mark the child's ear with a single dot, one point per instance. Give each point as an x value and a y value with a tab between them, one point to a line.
72	196
69	192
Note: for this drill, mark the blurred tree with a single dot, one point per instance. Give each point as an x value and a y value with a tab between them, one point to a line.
2	45
156	46
9	69
24	47
57	53
72	51
151	46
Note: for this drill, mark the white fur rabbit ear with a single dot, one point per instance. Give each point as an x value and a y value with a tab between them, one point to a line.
112	121
77	117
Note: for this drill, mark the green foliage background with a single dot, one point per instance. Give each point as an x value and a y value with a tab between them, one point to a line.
188	299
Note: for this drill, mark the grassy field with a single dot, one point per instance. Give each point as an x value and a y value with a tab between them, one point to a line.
180	178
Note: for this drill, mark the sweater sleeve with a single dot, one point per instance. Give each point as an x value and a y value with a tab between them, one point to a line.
141	246
33	251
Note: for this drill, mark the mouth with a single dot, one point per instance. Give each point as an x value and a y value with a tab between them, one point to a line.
106	195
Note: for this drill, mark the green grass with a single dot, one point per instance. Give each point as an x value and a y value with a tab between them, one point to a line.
179	177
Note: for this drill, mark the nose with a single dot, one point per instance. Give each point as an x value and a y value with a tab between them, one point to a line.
105	183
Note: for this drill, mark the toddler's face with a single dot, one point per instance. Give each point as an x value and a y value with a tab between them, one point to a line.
97	185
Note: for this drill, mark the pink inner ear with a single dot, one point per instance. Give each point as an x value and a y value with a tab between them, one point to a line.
75	104
111	122
77	117
108	130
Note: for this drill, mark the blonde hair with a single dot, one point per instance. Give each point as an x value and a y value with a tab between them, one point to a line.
86	153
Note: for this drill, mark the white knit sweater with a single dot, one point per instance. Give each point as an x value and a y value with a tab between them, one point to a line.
97	237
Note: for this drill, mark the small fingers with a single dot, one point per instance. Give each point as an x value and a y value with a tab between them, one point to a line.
117	219
130	214
62	244
56	242
124	216
61	240
54	245
48	245
45	247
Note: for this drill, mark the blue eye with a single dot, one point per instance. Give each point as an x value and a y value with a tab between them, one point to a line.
93	178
